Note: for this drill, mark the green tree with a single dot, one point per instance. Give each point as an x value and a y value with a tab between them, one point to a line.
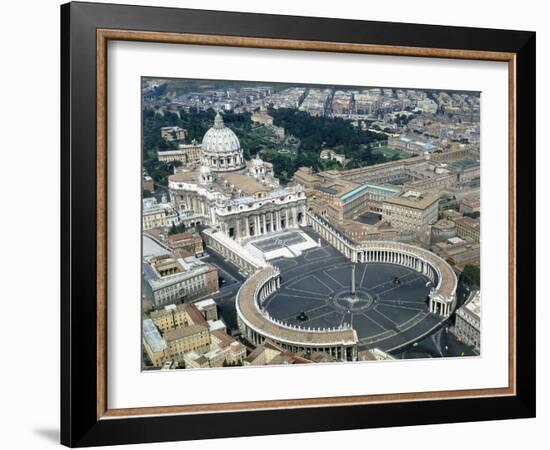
175	229
471	275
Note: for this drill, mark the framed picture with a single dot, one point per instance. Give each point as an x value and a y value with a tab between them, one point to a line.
277	224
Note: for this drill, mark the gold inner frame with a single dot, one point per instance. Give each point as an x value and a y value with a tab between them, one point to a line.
104	35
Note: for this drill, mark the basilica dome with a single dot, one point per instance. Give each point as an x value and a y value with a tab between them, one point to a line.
221	149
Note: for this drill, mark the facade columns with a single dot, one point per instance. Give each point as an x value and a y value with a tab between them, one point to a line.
256	226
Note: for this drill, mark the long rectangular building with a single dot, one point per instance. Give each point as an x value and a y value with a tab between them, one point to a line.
167	280
413	212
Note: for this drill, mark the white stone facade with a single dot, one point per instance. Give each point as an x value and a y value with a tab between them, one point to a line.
243	203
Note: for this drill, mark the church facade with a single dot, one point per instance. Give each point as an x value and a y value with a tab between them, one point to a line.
243	199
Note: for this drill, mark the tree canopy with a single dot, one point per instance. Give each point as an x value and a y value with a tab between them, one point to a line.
313	134
471	275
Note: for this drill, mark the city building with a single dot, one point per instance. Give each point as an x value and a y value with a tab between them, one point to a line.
207	308
216	325
288	98
154	344
180	245
457	252
177	316
468	322
148	184
173	133
269	353
468	228
156	215
316	102
340	199
413	212
469	204
185	153
374	354
179	341
331	155
409	144
305	177
185	244
224	351
442	230
190	334
174	343
427	105
342	103
168	280
261	117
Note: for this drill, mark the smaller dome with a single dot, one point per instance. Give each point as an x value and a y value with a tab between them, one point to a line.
257	161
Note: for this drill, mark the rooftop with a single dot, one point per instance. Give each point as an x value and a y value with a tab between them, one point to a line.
194	314
474	305
152	248
205	303
152	336
221	339
163	270
421	201
369	186
216	325
464	164
183	332
468	222
245	183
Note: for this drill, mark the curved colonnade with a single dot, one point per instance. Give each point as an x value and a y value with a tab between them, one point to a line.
258	326
340	342
442	276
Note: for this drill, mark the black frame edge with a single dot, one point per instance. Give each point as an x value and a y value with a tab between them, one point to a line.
65	368
526	223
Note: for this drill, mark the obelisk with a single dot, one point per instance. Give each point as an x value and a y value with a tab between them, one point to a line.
353	280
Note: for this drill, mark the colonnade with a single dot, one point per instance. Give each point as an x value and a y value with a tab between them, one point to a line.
232	251
439	306
442	277
400	258
341	344
339	352
266	289
245	226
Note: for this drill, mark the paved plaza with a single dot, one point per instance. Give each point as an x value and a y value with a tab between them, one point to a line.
389	309
279	241
285	244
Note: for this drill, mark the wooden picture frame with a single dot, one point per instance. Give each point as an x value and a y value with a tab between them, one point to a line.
86	418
